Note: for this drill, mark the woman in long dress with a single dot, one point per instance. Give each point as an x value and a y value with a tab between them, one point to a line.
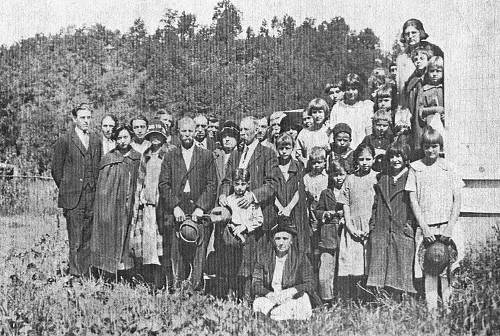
114	205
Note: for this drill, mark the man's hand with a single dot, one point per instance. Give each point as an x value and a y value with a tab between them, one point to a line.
179	214
223	200
196	214
428	236
239	229
246	200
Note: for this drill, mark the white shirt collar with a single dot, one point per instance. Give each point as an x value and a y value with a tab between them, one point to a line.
396	178
80	133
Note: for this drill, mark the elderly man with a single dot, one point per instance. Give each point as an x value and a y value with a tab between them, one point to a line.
75	168
274	129
262	164
108	124
187	187
201	135
139	125
283	279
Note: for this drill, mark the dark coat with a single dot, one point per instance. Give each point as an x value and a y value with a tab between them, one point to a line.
285	190
113	209
262	168
298	272
329	237
412	90
68	166
202	178
391	244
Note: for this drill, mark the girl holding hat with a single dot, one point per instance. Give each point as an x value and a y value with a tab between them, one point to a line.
435	194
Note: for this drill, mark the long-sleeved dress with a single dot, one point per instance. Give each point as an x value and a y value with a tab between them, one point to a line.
113	210
391	246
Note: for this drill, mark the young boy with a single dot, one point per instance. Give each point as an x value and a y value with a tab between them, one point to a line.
381	137
341	150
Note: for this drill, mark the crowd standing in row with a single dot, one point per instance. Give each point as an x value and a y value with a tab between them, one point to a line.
287	213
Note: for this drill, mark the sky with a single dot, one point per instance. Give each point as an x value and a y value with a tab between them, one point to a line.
23	18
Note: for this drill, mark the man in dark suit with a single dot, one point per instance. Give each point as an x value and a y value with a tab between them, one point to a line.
201	133
75	168
188	187
262	164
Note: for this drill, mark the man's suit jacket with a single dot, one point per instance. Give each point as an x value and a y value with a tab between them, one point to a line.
68	166
201	174
262	167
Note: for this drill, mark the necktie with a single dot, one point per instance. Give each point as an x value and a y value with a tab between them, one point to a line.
243	163
85	140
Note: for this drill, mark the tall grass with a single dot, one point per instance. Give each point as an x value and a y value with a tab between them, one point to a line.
27	195
38	299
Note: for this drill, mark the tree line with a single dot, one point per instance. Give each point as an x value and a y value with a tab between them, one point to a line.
183	66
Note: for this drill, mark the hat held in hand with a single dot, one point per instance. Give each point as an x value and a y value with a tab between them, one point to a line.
434	257
220	215
191	232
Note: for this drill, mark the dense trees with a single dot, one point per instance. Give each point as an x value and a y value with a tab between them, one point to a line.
183	66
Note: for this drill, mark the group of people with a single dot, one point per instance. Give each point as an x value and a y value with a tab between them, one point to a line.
287	212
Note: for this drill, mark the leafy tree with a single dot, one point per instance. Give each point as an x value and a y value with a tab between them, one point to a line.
227	21
186	25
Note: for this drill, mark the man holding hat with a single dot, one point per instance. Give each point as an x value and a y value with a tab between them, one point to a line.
283	279
187	188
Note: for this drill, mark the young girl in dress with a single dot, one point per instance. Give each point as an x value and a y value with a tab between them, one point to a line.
291	198
331	216
357	196
435	194
352	110
430	105
391	240
317	134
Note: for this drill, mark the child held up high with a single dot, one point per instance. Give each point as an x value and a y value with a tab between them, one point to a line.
430	105
357	196
435	194
331	216
381	136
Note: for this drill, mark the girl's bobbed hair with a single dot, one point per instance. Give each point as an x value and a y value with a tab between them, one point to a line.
241	174
119	128
335	84
434	62
318	104
431	137
353	80
334	169
387	90
359	150
418	25
398	147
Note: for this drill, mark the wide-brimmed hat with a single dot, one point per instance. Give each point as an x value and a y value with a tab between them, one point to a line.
435	256
284	224
191	232
156	126
229	128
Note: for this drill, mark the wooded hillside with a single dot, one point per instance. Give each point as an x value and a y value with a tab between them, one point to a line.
183	67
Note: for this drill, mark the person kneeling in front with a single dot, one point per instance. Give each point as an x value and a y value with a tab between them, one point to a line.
283	279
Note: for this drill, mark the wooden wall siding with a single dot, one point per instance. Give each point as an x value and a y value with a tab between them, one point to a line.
472	90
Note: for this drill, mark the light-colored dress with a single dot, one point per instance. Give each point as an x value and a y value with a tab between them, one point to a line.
359	193
357	116
434	186
308	139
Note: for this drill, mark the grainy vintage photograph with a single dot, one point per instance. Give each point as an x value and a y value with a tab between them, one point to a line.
231	167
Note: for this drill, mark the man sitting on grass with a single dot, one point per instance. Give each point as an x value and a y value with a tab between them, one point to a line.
283	279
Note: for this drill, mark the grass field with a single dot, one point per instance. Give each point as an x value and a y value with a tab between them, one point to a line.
37	298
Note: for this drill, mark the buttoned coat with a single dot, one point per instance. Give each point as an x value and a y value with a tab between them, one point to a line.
262	168
68	166
391	244
201	175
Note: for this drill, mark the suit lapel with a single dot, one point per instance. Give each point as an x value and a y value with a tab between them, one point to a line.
180	158
256	154
78	143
